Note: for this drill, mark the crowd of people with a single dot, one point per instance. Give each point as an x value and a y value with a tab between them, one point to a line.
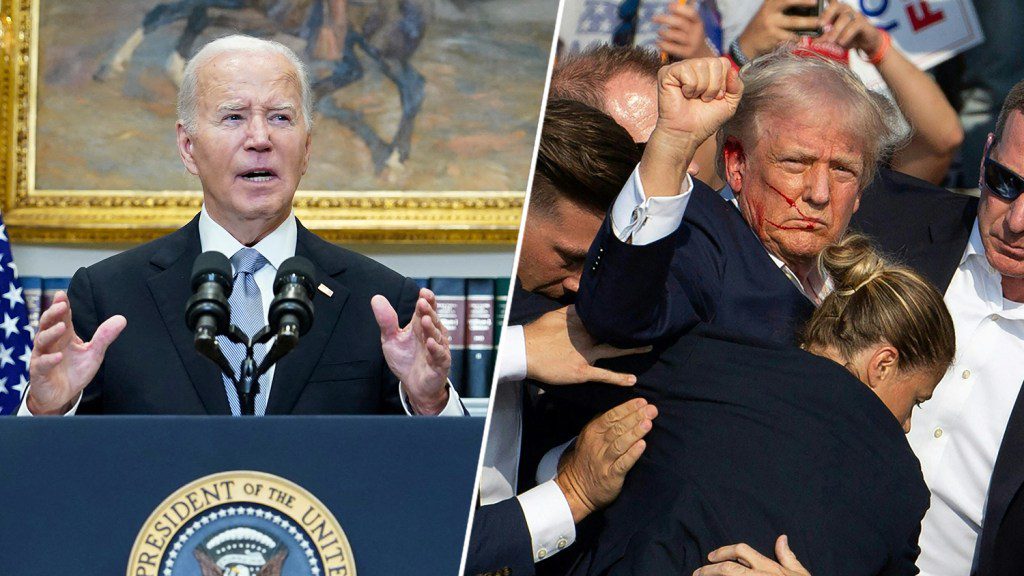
739	284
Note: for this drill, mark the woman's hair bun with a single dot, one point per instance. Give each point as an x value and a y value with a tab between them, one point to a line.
852	263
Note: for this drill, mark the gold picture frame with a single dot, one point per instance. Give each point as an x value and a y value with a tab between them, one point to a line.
34	214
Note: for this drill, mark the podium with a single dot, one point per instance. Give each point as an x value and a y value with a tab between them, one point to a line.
172	496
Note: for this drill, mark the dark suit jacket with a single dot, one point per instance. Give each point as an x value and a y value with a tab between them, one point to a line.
712	273
500	543
152	368
753	442
917	223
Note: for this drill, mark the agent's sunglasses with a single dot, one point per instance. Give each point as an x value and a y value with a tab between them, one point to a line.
1002	181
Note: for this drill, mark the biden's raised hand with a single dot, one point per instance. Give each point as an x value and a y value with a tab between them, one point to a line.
62	364
417	354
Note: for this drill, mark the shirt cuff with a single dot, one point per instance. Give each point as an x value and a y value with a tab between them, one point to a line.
452	408
548	518
548	467
512	355
24	411
641	220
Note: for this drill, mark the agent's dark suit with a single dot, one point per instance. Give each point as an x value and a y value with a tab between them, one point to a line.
753	442
152	368
917	223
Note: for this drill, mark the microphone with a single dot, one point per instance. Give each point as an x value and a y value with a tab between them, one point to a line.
291	312
207	312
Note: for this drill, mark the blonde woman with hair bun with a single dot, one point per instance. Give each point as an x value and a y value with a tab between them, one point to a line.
888	326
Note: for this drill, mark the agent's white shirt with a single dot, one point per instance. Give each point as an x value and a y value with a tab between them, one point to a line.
957	433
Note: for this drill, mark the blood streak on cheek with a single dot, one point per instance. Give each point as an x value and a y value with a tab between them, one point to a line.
792	204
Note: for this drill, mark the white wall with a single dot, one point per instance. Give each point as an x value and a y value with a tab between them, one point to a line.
413	261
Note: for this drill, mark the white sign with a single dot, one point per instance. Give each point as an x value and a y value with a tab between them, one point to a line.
928	32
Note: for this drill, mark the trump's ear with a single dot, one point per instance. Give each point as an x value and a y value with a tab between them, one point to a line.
185	149
735	161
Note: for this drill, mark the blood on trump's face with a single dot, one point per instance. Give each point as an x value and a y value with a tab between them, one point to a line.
797	183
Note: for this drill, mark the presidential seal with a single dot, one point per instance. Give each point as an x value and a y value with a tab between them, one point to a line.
241	523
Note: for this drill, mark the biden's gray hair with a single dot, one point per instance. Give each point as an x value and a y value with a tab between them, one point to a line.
784	82
188	94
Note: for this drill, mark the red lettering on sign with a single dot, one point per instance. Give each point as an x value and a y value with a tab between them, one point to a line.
921	15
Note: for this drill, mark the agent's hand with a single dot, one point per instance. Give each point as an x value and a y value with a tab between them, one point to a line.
417	354
681	34
591	473
847	27
742	560
62	365
695	97
770	26
560	351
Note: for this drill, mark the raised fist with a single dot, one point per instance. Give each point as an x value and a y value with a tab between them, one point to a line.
697	96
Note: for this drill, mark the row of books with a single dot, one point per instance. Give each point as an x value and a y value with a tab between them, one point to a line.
470	308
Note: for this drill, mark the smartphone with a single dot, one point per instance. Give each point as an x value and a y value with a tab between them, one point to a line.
814	11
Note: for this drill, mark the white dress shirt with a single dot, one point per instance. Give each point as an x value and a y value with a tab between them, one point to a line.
545	508
276	247
957	433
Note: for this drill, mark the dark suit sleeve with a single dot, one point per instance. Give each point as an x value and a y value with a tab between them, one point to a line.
631	295
500	541
85	320
904	561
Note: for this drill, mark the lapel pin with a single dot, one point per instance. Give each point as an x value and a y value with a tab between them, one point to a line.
326	291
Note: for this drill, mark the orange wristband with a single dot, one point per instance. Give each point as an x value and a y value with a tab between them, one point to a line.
883	49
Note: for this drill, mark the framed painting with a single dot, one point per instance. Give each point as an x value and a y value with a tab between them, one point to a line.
425	117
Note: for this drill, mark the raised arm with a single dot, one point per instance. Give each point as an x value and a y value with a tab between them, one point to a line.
625	296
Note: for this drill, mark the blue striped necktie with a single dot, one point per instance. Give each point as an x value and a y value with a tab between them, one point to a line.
246	313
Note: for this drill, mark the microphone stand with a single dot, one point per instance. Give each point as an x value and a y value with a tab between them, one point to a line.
247	384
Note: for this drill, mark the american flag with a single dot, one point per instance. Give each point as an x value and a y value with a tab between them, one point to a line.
15	333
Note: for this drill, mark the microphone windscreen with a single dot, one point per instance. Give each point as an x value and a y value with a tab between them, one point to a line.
211	262
297	266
